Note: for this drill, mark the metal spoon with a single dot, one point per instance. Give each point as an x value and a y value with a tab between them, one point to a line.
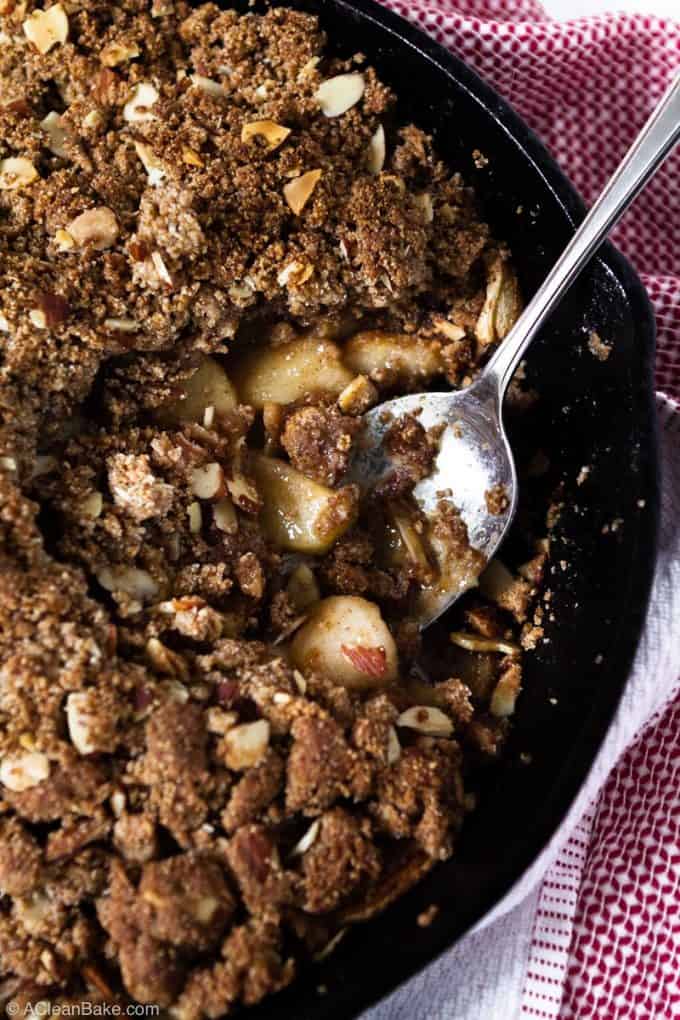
474	455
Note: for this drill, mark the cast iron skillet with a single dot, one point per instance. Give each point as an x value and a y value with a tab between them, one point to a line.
599	414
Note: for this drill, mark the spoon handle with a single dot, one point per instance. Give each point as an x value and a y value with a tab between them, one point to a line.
655	141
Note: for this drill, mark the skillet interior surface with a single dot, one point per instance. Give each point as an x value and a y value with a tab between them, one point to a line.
592	413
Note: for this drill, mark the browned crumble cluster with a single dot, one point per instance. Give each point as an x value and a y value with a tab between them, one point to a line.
217	251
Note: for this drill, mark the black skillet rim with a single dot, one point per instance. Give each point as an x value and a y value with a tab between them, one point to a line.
375	983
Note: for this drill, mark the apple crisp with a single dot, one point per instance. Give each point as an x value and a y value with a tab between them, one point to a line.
221	740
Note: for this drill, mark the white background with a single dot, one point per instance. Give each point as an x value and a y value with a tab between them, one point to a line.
577	8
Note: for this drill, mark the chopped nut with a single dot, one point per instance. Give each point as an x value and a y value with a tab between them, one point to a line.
64	241
213	88
16	172
191	157
207	482
195	517
298	191
274	134
225	516
152	164
426	719
96	227
20	772
52	126
118	53
337	95
139	584
306	841
79	722
137	110
356	398
375	157
46	29
244	745
92	505
8	464
4	324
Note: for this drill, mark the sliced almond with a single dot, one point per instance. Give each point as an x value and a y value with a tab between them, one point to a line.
209	416
302	588
64	241
213	88
161	268
118	53
504	697
121	325
424	203
296	273
219	721
195	516
152	164
20	772
225	517
449	329
4	324
46	29
375	156
52	125
427	720
96	227
298	191
80	723
92	120
139	584
307	840
393	747
164	660
245	745
191	157
92	505
475	643
38	318
337	95
16	172
137	110
207	482
358	396
274	134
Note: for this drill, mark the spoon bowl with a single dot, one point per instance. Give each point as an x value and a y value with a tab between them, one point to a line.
473	462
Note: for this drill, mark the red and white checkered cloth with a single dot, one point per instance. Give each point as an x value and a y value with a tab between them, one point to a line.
604	941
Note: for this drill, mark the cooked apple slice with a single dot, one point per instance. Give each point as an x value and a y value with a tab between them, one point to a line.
347	639
298	514
390	358
284	374
209	386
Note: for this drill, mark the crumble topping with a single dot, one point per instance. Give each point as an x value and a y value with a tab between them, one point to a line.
219	249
